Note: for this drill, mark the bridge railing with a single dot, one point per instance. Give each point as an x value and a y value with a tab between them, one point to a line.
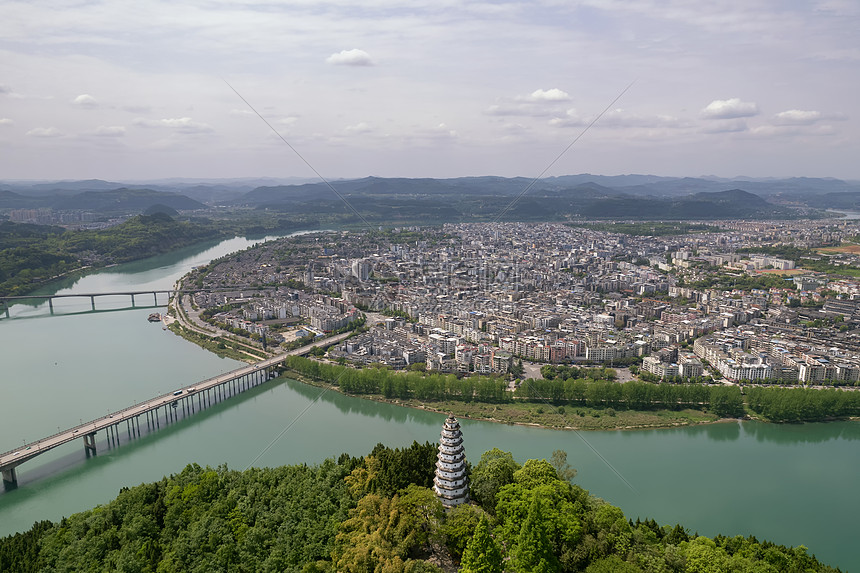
130	409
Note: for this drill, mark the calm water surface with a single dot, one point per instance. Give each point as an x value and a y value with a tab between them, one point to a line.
788	484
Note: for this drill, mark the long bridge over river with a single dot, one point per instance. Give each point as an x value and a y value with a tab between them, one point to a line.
6	301
166	294
155	412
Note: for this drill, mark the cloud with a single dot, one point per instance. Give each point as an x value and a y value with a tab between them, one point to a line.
726	126
8	92
358	128
352	57
6	121
45	132
180	124
553	94
571	118
85	100
110	131
797	117
503	110
789	130
729	109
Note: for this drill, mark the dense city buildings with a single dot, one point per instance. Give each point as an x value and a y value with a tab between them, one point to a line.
481	298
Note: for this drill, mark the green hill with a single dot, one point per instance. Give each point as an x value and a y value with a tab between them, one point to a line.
377	514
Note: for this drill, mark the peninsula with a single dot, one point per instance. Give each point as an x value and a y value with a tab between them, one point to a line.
552	324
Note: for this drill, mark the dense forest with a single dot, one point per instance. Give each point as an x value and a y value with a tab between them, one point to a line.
31	255
774	404
377	514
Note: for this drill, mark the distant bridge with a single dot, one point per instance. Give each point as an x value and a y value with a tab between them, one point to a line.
6	300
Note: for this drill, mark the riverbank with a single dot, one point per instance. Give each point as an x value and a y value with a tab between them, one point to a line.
512	413
535	415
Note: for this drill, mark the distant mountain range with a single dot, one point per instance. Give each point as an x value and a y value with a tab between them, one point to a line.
489	198
392	200
121	200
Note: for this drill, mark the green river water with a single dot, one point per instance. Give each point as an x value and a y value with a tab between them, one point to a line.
791	484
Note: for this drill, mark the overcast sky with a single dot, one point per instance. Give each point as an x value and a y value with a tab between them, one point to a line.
428	88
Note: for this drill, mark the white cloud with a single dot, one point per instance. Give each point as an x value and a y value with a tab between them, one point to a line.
354	57
797	117
180	124
442	130
358	128
726	126
110	131
5	89
772	131
6	121
729	109
503	110
553	94
45	132
572	118
85	100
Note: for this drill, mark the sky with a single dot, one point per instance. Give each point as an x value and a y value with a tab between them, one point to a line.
147	89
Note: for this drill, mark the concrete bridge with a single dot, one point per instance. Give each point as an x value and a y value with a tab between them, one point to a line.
158	411
151	414
7	300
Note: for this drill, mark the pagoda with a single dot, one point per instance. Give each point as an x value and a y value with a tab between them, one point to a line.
451	484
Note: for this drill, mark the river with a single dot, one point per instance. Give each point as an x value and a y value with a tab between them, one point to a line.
790	484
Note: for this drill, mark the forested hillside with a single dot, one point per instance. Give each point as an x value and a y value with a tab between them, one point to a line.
377	514
31	255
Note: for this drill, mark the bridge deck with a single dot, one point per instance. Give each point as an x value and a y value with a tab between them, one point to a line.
18	456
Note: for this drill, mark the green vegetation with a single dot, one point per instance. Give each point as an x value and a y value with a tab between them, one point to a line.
723	401
35	254
807	259
650	228
592	403
376	514
221	346
802	404
743	282
32	255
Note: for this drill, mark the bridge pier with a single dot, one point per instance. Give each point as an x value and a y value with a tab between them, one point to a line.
51	304
93	302
6	306
90	443
154	298
10	477
132	299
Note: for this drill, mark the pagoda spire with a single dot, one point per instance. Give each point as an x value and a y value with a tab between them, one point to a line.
451	484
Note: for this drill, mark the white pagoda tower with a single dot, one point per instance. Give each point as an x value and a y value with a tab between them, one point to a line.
450	483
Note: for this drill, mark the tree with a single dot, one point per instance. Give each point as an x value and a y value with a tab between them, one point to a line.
533	553
562	468
612	564
535	473
517	369
495	470
482	554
